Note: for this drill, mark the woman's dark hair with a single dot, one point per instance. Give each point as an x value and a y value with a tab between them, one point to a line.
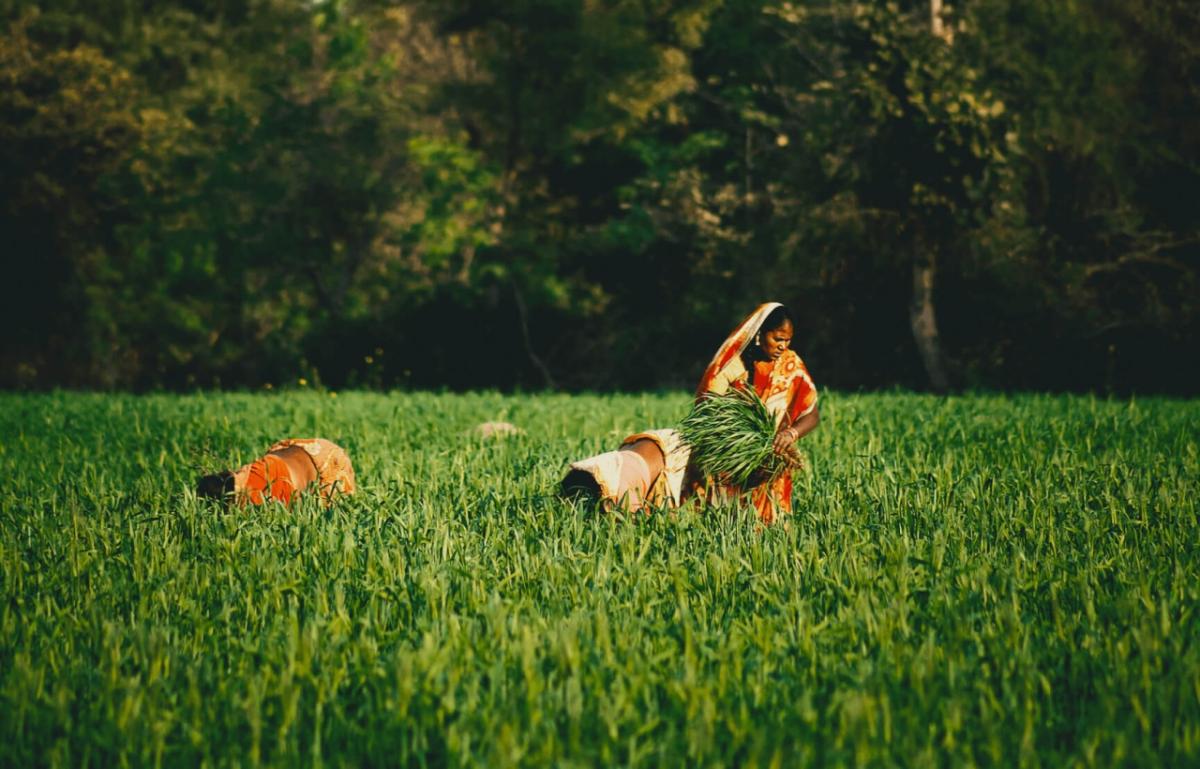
215	486
776	319
580	485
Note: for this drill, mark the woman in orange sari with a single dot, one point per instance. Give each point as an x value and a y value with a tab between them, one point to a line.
289	468
758	355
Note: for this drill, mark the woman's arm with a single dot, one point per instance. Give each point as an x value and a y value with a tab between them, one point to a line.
796	430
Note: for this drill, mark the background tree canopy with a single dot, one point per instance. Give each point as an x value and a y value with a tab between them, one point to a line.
499	193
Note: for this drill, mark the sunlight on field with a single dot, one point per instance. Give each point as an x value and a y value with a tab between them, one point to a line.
977	580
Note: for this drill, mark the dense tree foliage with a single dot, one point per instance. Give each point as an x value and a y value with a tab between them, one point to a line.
589	194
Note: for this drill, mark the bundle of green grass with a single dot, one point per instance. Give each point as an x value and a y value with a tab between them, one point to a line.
731	436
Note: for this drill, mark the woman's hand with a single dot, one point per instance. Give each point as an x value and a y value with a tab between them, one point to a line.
784	440
793	458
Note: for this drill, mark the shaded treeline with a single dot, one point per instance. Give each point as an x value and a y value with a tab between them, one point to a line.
505	193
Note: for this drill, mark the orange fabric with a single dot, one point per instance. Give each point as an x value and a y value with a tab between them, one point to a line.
335	473
784	386
731	349
268	478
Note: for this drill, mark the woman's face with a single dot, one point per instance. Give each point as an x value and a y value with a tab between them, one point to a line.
776	341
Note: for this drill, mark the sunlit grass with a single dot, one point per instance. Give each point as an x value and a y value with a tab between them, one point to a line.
731	437
977	580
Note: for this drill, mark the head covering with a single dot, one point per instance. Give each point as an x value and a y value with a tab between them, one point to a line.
622	476
735	344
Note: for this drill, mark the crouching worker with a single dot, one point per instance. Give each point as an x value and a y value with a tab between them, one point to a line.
289	468
646	471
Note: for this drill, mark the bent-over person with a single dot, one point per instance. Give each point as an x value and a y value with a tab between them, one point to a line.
289	468
647	470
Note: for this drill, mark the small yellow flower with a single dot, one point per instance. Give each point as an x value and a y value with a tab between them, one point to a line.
781	140
303	382
332	394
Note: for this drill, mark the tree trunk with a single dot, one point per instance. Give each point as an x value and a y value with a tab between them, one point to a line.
538	363
923	318
921	313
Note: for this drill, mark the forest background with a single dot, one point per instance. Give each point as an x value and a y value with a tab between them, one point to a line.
583	194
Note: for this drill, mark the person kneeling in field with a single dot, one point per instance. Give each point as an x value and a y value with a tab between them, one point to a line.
289	468
646	471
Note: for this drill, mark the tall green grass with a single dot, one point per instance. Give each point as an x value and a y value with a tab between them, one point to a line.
969	581
731	437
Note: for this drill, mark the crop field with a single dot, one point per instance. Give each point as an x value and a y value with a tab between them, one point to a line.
968	581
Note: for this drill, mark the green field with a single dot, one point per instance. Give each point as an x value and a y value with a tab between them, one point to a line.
973	581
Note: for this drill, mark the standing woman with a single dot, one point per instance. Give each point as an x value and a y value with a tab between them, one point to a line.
758	355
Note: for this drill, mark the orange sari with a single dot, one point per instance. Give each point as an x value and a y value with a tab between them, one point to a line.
264	479
270	477
335	474
784	386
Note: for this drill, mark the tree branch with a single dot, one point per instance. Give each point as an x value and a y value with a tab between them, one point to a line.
533	356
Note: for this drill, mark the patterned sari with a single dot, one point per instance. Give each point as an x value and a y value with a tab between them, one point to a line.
271	478
786	388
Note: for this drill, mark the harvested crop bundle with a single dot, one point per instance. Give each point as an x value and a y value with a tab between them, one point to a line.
731	437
